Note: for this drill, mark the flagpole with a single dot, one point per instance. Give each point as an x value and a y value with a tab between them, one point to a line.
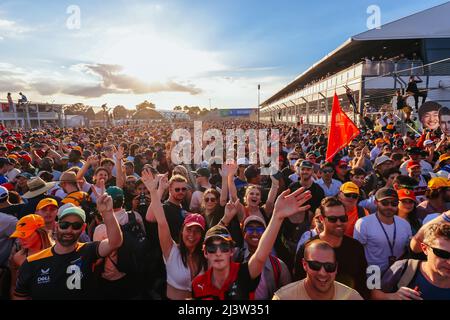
259	87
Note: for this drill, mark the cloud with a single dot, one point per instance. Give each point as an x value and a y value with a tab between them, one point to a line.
10	29
114	81
90	91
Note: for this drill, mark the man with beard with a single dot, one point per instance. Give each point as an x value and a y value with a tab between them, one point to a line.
65	271
349	252
384	235
376	179
321	268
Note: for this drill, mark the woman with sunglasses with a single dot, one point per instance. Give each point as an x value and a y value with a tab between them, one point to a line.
32	238
407	209
185	260
227	280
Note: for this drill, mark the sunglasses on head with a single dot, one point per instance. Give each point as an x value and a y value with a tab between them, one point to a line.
317	266
66	224
334	219
180	189
210	200
251	230
223	246
386	203
351	195
441	253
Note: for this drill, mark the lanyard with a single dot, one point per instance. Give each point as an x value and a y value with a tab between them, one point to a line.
391	245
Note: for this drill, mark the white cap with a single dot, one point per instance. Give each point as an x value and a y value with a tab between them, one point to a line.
381	160
427	142
11	175
64	207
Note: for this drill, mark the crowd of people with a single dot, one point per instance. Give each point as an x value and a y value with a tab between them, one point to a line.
104	213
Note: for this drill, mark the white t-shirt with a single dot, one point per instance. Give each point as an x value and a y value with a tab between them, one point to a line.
369	233
332	190
424	165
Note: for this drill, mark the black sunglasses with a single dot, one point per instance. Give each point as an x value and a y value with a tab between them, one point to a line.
316	266
251	230
210	200
327	171
180	189
386	203
334	219
351	195
223	246
441	253
66	224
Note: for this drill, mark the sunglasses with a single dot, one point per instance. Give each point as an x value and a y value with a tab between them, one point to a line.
327	171
334	219
351	195
210	200
407	201
223	246
317	266
386	203
75	225
180	189
258	230
441	253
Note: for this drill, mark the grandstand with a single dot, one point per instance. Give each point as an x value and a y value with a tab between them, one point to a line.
373	64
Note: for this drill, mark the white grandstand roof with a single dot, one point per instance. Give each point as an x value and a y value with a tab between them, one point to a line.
427	24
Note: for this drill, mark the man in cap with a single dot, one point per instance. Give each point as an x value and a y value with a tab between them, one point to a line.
240	181
25	163
384	235
48	209
227	280
414	171
341	171
202	176
414	155
115	283
275	273
21	182
349	196
349	252
65	271
6	206
329	185
376	179
437	198
375	152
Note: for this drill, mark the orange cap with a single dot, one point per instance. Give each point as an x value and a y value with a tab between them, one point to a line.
46	202
437	183
406	194
27	225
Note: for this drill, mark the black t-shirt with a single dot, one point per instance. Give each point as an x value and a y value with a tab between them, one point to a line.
14	209
175	218
234	227
352	265
316	192
50	276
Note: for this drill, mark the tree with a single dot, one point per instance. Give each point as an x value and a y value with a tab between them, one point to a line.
90	114
120	112
147	114
76	109
178	108
145	105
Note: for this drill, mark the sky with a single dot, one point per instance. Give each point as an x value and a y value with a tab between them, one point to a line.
172	52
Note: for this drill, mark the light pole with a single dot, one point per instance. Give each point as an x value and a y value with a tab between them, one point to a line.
259	89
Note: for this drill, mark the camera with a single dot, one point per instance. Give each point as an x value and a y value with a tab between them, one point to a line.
142	200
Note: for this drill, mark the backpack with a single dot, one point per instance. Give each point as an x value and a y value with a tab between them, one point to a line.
408	273
83	200
131	255
276	266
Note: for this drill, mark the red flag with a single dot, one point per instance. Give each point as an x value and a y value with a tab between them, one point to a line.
342	130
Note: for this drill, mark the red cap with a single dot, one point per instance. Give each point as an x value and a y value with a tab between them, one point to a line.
194	219
9	146
412	164
342	163
406	194
8	186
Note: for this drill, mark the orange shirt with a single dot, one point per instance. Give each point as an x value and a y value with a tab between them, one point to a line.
352	218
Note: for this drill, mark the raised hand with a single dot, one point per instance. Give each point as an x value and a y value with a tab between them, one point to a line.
231	209
289	204
120	153
149	180
164	182
92	160
105	204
